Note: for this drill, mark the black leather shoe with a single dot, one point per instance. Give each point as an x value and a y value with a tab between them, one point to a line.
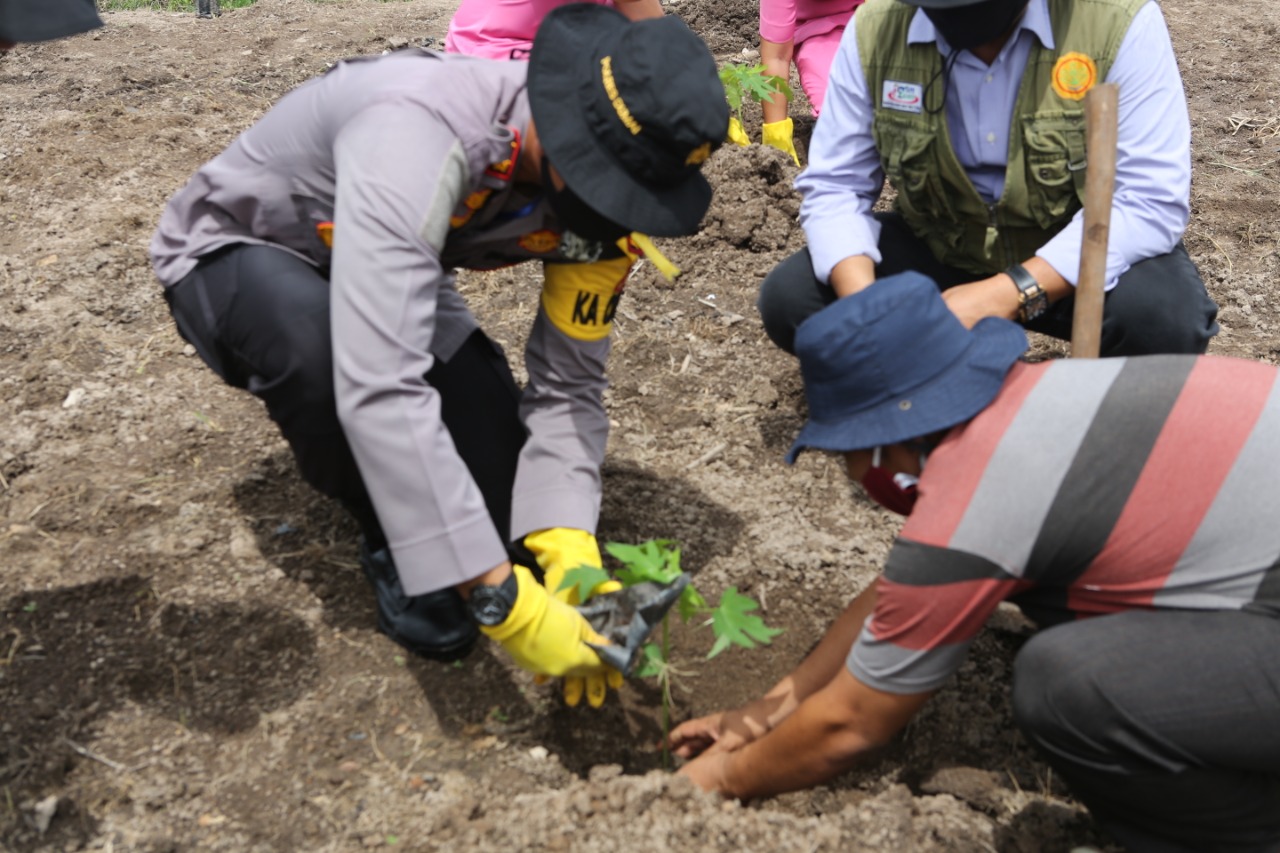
435	625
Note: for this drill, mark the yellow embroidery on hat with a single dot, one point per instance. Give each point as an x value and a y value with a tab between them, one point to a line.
611	89
698	155
1074	75
539	242
324	230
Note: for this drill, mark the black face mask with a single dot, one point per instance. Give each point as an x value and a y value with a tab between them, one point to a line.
968	27
576	215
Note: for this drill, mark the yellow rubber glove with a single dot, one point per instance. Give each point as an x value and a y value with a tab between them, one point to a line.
736	134
557	550
545	635
778	135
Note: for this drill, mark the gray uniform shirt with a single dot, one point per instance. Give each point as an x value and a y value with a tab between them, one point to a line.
388	172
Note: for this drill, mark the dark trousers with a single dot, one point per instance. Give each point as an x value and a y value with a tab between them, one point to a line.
1158	306
260	318
1166	724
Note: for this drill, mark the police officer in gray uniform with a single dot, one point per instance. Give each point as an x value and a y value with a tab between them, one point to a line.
311	263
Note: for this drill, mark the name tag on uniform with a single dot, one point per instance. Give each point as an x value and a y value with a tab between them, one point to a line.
906	97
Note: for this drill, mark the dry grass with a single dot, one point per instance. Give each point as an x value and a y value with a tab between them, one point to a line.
1261	128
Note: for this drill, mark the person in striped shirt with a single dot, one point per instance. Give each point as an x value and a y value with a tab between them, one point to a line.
1129	506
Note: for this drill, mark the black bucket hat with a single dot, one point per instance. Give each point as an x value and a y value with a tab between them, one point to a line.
41	20
627	112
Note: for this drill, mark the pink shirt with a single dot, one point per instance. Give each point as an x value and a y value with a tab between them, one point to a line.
797	20
493	28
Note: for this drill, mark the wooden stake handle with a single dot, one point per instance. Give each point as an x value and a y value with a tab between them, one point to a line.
1100	125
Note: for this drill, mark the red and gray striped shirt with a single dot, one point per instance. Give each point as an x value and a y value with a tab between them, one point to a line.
1085	488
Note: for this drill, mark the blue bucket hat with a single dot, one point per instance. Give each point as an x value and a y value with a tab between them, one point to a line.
891	363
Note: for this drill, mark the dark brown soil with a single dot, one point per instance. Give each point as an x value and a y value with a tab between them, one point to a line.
187	652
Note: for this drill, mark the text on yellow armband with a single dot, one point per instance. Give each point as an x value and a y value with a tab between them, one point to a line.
581	299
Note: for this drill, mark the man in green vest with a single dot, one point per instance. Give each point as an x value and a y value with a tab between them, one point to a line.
974	112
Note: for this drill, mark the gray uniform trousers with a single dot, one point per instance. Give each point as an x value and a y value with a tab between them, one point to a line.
259	317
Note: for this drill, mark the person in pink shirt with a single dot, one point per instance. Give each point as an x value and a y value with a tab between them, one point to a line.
503	29
806	32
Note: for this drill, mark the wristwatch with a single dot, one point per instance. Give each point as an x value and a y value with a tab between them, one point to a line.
1031	295
491	605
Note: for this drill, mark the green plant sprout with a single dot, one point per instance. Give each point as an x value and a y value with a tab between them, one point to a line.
731	620
750	82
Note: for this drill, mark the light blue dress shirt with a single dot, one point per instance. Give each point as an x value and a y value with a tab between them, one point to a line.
1153	158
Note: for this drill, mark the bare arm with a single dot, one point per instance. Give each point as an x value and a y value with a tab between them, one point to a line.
636	10
729	730
776	57
826	735
853	274
997	296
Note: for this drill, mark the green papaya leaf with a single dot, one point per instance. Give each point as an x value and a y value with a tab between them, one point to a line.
651	661
657	560
585	578
691	603
734	624
729	78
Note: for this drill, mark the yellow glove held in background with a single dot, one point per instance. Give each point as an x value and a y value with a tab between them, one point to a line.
736	134
544	635
557	550
778	135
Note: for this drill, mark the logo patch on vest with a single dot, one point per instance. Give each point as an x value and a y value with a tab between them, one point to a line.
1074	75
905	97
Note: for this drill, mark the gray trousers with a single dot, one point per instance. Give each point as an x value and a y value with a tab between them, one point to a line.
1159	305
1166	724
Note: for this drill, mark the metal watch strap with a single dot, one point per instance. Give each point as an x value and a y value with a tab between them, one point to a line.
1031	295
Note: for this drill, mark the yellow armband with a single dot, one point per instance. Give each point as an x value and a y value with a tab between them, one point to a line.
581	299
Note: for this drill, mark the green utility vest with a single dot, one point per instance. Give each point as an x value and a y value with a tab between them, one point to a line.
1044	180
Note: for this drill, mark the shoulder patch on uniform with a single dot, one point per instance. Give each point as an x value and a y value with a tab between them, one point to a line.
1074	75
455	177
904	97
473	202
505	169
540	242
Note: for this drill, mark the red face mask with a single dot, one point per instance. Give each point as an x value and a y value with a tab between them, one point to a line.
895	492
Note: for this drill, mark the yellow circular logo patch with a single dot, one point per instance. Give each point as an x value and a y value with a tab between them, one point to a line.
1074	75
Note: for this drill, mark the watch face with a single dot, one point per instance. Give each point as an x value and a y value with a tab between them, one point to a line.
488	606
1037	304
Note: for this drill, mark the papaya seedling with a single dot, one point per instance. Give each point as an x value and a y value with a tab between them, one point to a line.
744	82
657	561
